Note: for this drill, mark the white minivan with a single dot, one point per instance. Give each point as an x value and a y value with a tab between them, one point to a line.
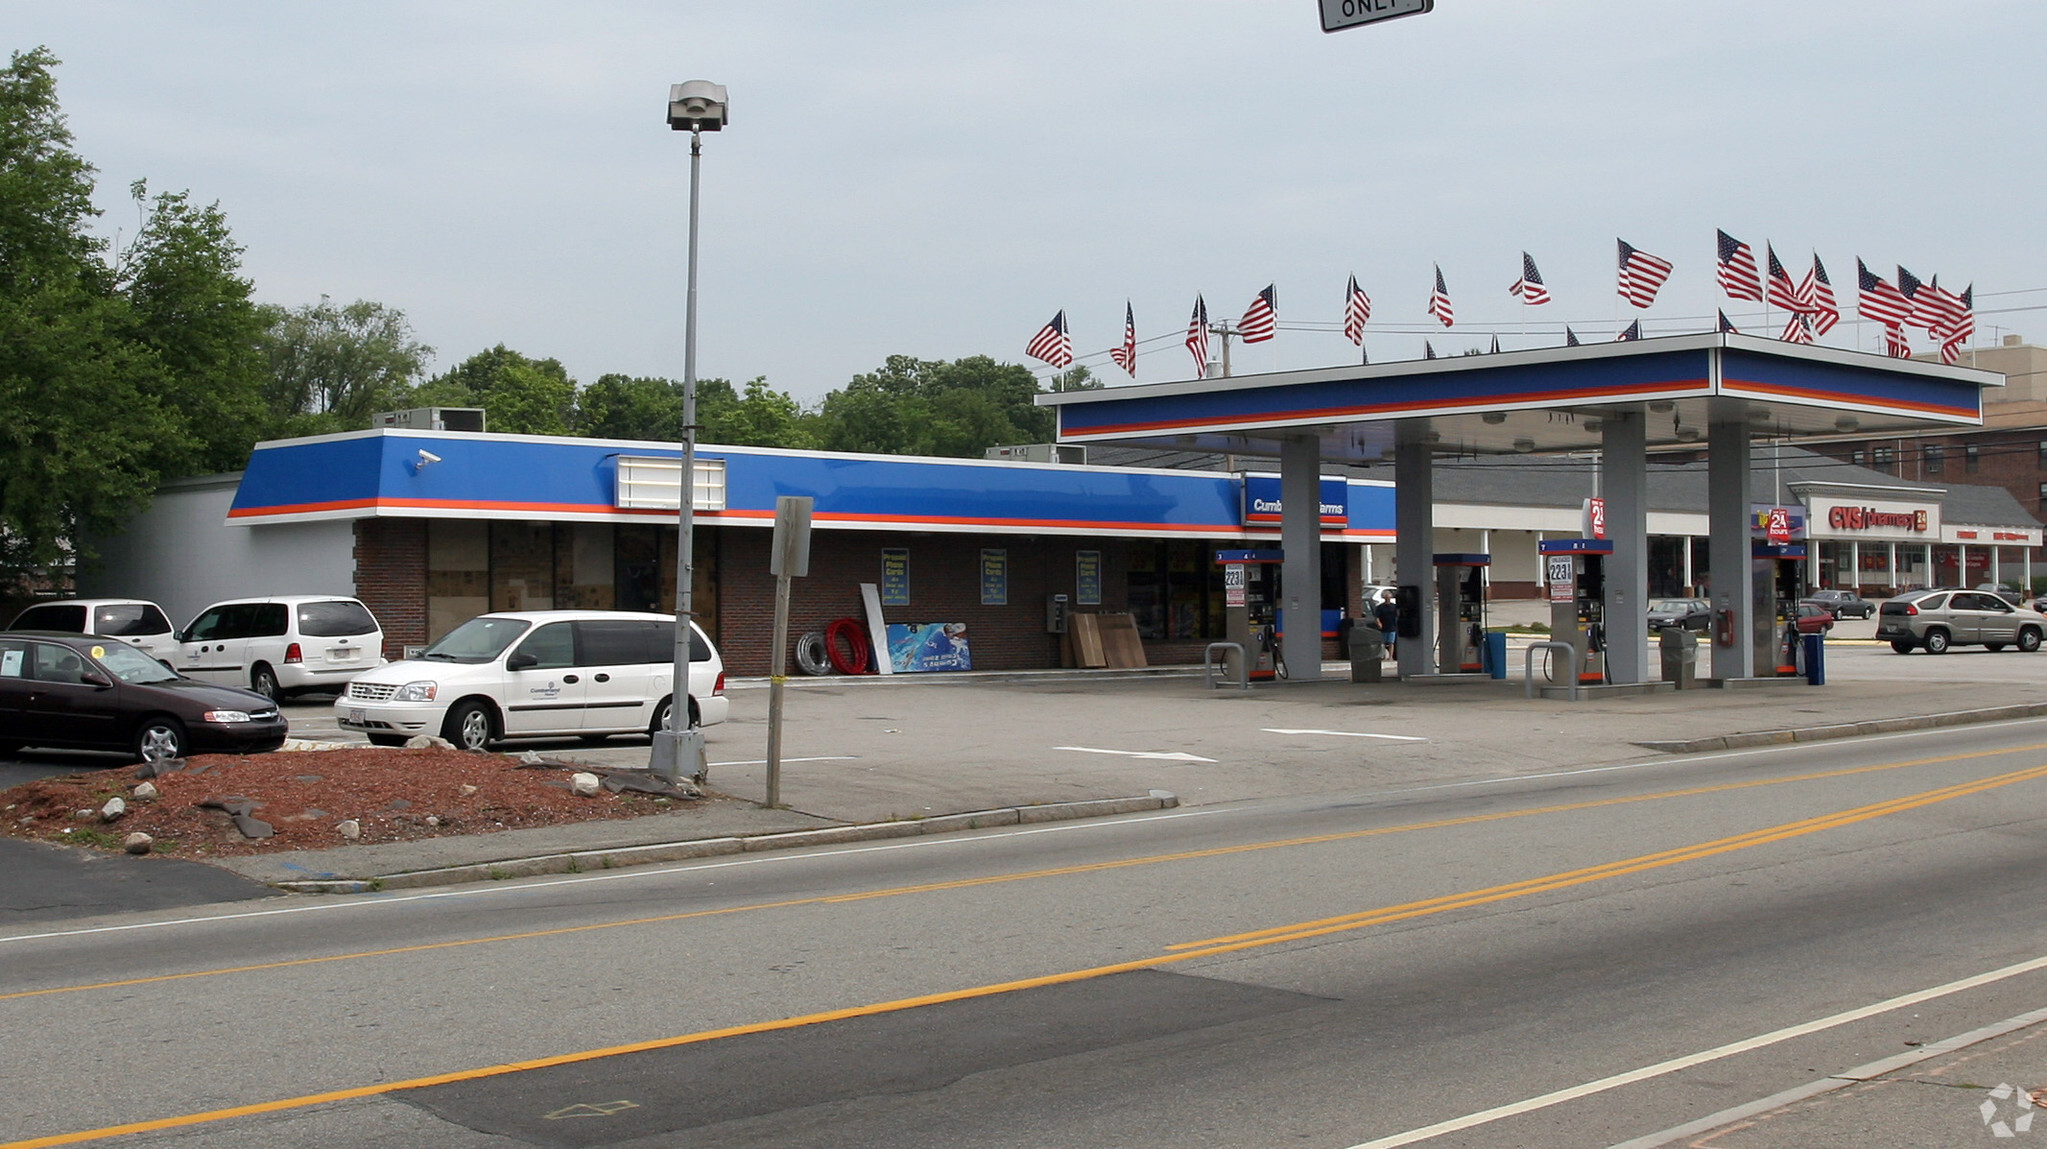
132	620
577	673
282	645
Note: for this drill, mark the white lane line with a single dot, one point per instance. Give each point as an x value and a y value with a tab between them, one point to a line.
379	901
1153	755
822	758
1663	1068
1347	734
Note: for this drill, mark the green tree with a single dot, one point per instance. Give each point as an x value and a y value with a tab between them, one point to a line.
85	427
927	407
760	417
522	396
330	368
630	407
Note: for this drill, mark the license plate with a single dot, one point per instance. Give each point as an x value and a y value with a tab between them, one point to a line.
341	654
356	716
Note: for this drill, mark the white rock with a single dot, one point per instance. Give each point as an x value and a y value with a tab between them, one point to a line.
531	758
145	792
137	843
428	742
114	808
433	819
350	829
585	785
82	815
467	789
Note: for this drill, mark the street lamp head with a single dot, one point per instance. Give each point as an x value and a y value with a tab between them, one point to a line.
696	106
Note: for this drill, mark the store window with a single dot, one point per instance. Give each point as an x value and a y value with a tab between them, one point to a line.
1882	458
1970	456
1934	457
585	573
522	566
1857	457
1175	590
457	573
2043	496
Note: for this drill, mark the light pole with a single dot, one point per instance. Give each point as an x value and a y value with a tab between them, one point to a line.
696	107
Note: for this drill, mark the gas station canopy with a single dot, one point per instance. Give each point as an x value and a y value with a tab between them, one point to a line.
1549	399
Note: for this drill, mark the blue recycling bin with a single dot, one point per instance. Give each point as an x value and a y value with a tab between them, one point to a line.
1815	660
1493	655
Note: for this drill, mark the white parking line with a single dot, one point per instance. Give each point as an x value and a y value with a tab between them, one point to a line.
1348	734
1152	755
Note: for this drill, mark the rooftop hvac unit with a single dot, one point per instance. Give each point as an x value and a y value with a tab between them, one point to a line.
432	419
1073	454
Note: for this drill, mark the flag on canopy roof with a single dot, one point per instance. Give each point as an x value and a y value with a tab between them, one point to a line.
1909	286
1261	319
1439	300
1428	350
1964	326
1126	355
1641	274
1197	337
1939	308
1530	286
1727	325
1357	307
1052	344
1877	300
1895	344
1780	292
1799	328
1630	333
1570	337
1816	292
1737	270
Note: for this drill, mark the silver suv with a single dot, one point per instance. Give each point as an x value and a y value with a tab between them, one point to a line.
1938	619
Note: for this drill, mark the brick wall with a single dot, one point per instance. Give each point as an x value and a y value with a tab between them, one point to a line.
390	579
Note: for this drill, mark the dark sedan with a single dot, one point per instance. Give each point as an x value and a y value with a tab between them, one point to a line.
84	692
1688	613
1842	603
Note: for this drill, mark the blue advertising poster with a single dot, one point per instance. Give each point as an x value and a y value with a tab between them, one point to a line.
994	577
914	647
895	576
1087	578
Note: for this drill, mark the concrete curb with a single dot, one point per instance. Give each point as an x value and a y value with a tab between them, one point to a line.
584	861
1750	739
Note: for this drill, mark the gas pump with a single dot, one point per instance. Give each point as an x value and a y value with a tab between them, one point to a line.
1778	573
1460	605
1251	607
1577	602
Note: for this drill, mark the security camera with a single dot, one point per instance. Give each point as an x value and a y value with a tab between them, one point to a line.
426	456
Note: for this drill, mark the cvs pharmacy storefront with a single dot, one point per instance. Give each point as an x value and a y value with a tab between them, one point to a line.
1876	539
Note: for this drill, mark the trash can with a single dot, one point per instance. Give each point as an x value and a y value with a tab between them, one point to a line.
1680	650
1815	660
1493	655
1367	648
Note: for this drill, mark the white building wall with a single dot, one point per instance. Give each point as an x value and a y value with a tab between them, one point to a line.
183	554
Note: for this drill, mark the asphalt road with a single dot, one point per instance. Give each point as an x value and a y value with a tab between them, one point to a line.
1568	958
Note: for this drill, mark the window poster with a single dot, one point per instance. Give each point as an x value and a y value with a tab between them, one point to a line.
994	576
1087	578
895	576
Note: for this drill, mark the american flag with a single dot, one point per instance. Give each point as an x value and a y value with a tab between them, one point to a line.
1439	301
1261	319
1940	308
1780	292
1126	355
1895	344
1570	337
1817	292
1877	300
1197	337
1428	350
1964	326
1727	325
1909	287
1737	272
1641	275
1799	328
1496	344
1529	287
1630	333
1951	351
1357	307
1053	344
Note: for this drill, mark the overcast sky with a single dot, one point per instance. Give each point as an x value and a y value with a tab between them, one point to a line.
938	178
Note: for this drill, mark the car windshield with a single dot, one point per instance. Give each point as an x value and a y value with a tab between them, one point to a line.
131	665
478	640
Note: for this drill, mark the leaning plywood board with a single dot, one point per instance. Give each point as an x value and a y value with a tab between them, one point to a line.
1120	644
1087	641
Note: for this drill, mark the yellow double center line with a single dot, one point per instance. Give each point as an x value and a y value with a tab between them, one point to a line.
1181	952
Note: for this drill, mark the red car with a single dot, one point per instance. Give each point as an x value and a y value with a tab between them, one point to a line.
1814	618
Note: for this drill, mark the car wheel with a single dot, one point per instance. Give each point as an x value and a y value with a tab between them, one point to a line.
263	681
1936	642
386	739
664	717
470	726
1993	647
1901	646
2029	640
159	739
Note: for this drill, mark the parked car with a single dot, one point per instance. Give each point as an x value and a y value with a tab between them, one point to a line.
135	621
1812	618
91	692
1939	619
583	673
2003	590
281	646
1689	613
1843	603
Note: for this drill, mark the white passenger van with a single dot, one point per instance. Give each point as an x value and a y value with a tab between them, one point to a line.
579	673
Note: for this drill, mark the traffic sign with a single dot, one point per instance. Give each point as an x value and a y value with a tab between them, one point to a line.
1340	14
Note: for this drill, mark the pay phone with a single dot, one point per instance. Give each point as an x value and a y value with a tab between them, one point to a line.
1576	570
1460	607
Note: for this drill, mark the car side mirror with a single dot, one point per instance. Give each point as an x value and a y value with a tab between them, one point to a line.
95	678
522	661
